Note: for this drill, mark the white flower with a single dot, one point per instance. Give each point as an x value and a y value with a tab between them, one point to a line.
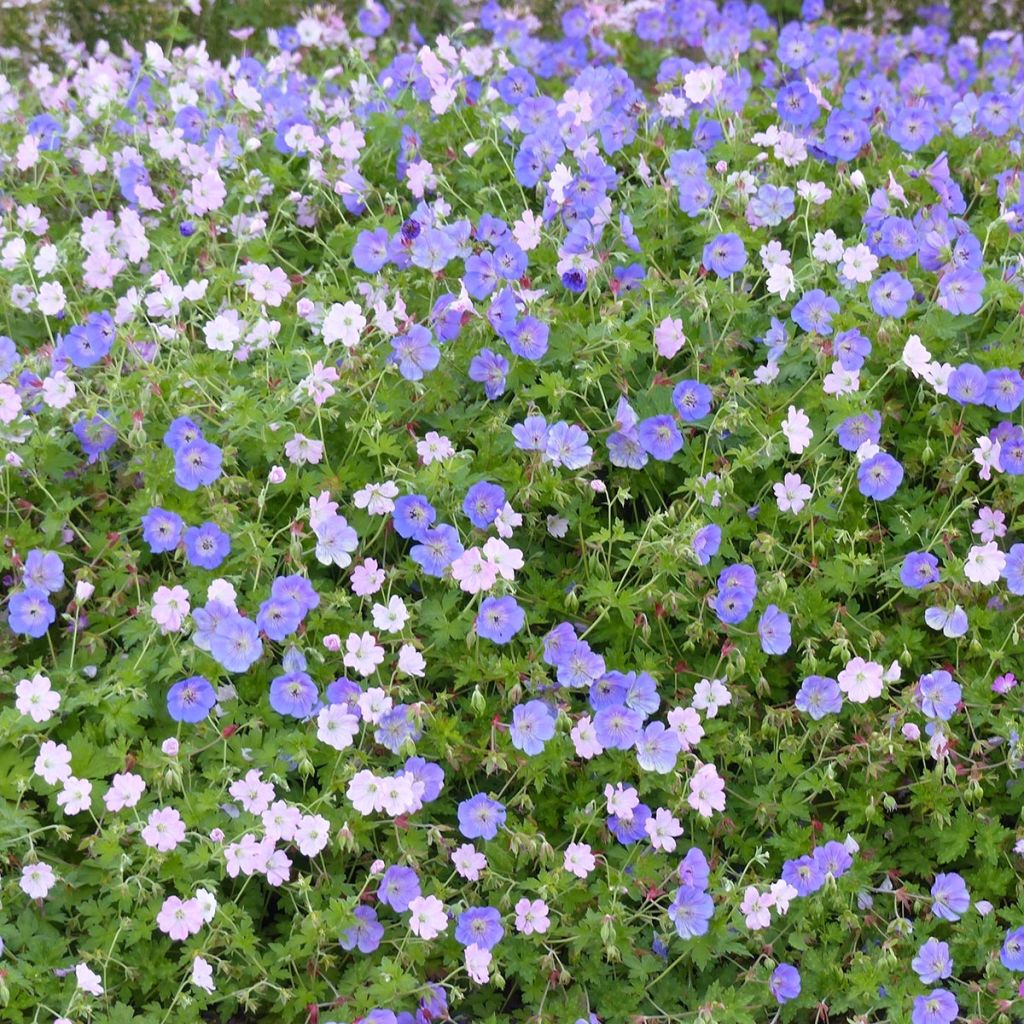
915	356
861	680
709	695
662	828
343	323
859	263
781	280
202	974
76	795
37	880
362	653
336	726
223	331
427	918
392	617
410	661
578	859
984	563
35	698
377	499
792	494
827	247
797	430
88	980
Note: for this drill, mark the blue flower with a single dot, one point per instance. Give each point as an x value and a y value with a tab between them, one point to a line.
660	437
415	352
1012	953
162	530
44	570
482	503
366	934
499	619
938	1007
933	962
490	369
480	817
692	400
279	617
30	613
412	515
294	694
206	546
950	898
480	926
784	984
706	542
236	644
725	254
774	630
690	911
533	724
819	696
879	477
197	464
191	700
919	569
399	886
617	727
438	547
657	748
937	694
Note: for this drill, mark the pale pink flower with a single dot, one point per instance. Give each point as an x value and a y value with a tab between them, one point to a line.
164	829
126	790
861	680
584	738
797	429
707	791
669	337
792	494
202	974
662	828
410	661
984	563
532	916
392	617
473	572
180	918
469	862
367	578
53	762
37	880
312	834
362	653
35	698
344	323
686	724
478	962
579	860
427	918
709	695
507	561
88	980
434	448
252	792
336	726
76	795
170	607
756	908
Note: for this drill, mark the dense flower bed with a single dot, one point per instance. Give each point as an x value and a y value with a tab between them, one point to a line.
518	526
